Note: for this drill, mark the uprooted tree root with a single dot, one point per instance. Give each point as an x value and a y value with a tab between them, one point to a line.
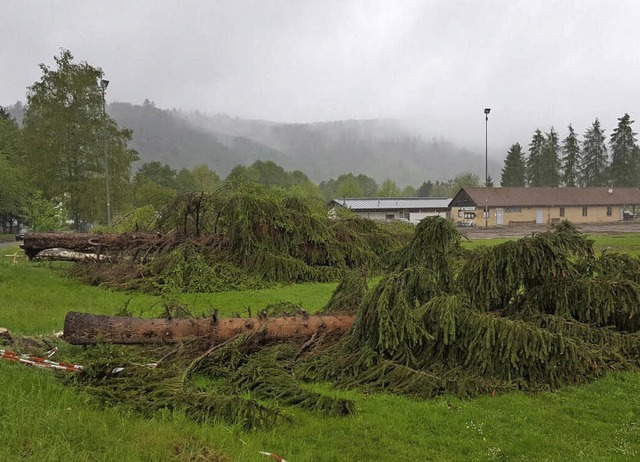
539	313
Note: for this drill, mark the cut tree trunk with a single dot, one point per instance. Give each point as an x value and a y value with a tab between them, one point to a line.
35	243
83	328
70	255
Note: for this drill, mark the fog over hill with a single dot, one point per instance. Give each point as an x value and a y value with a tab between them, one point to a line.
378	148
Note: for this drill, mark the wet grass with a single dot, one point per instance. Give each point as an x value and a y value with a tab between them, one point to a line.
628	243
43	420
35	297
621	243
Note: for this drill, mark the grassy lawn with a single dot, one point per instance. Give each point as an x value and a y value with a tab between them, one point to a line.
43	420
622	243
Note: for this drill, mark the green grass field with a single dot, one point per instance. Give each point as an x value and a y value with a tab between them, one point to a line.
43	420
623	243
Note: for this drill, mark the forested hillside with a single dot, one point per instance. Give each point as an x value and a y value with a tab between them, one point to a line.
378	148
166	136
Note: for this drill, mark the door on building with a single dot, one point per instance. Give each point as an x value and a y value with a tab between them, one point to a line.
539	217
499	213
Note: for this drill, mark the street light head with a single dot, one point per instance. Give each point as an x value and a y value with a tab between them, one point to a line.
105	83
487	110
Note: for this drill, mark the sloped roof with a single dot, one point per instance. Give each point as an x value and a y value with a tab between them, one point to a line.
393	203
554	197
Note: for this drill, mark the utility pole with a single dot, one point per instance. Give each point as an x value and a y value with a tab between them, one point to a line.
487	110
104	84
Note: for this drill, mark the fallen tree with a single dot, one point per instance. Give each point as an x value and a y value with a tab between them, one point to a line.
56	254
34	243
84	328
534	314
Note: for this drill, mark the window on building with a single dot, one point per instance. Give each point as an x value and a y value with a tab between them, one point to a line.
469	215
584	211
562	212
609	211
389	216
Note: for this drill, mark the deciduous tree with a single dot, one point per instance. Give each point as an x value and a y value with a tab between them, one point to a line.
158	173
348	186
14	186
205	179
389	188
65	130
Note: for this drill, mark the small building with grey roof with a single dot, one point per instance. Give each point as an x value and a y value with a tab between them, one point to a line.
513	206
411	209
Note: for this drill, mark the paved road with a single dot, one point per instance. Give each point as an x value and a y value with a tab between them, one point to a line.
520	231
9	243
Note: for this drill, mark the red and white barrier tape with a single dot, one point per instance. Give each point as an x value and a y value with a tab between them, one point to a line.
273	456
40	362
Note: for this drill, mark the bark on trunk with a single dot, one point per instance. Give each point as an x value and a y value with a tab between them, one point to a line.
34	243
83	328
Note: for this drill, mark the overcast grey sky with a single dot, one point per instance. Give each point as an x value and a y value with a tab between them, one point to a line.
437	63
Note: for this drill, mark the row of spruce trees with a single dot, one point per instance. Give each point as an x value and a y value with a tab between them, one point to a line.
574	162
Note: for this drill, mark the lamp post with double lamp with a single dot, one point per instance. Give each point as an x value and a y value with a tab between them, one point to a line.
487	110
104	84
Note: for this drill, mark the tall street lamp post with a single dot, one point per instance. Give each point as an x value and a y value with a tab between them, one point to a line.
487	110
104	84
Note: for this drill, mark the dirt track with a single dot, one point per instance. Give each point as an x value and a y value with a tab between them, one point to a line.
632	226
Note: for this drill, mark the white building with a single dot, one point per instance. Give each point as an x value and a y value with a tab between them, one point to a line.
412	209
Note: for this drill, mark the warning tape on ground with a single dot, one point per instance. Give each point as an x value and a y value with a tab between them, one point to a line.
40	362
273	456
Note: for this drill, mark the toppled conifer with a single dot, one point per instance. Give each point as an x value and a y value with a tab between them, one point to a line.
538	313
246	238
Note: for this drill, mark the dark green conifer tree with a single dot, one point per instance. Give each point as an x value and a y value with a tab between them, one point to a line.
571	159
513	172
425	189
489	183
595	159
550	165
534	169
624	154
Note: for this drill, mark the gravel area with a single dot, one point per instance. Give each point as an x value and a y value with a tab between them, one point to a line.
631	226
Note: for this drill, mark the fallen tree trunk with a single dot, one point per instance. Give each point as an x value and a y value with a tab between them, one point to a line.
69	255
35	243
83	328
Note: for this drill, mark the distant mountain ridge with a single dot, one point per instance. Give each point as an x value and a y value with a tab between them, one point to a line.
379	148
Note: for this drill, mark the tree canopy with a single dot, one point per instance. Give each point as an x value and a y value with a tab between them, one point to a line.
67	136
14	186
